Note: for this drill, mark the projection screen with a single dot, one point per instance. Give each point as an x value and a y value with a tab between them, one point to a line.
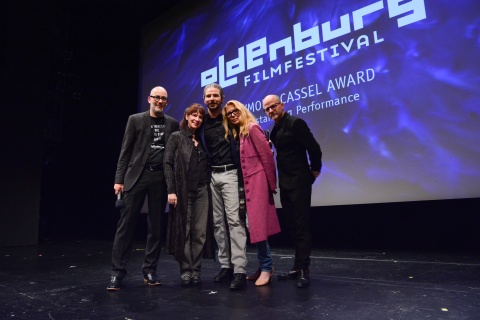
390	89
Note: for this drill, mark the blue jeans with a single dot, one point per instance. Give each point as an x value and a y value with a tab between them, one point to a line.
264	257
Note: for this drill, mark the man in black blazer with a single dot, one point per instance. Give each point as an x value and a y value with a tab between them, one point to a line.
293	140
140	173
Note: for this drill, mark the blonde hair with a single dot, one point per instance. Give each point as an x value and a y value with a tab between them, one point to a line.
245	117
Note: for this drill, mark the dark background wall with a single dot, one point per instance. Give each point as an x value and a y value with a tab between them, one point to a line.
69	80
68	83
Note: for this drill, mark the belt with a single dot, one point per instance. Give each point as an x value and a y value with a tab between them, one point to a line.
228	167
154	168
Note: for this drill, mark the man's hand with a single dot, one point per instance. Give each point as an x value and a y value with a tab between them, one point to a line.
118	187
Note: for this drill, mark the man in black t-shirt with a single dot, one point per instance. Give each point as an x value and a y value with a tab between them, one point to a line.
224	186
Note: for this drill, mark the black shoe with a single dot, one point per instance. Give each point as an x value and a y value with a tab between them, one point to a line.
115	284
290	275
186	279
239	281
224	275
196	280
303	279
151	279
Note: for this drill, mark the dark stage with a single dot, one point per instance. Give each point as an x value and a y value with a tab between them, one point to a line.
68	281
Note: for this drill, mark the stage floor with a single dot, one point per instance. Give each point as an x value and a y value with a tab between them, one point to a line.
68	281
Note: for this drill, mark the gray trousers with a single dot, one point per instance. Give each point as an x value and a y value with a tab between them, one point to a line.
196	231
232	242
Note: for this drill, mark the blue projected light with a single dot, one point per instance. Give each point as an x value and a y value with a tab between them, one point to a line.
390	89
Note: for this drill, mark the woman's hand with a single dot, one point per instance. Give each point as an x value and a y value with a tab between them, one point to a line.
172	199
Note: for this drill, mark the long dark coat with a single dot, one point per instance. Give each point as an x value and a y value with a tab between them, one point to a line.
176	165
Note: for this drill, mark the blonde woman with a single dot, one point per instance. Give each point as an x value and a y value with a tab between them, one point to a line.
258	172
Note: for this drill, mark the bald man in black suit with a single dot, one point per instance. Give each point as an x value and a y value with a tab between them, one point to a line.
293	140
140	173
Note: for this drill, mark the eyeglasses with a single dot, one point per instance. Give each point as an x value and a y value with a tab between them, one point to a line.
232	113
273	106
158	98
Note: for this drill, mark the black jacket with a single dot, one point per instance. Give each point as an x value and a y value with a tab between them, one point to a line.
136	145
292	140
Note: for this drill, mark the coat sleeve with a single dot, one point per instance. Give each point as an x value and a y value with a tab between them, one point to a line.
304	136
169	161
126	150
266	154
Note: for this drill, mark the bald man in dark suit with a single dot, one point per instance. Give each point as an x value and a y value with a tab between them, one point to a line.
140	173
293	140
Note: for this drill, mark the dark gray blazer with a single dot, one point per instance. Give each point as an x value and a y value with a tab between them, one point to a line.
136	145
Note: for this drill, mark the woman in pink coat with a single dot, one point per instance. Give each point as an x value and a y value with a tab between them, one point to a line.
258	171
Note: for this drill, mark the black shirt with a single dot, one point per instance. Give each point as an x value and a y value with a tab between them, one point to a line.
157	144
217	145
197	172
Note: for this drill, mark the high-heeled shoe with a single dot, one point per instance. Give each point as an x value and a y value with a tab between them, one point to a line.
264	278
254	276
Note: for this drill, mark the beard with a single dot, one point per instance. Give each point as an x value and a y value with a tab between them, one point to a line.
158	109
213	106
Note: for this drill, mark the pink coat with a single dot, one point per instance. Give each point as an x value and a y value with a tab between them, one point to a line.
258	168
